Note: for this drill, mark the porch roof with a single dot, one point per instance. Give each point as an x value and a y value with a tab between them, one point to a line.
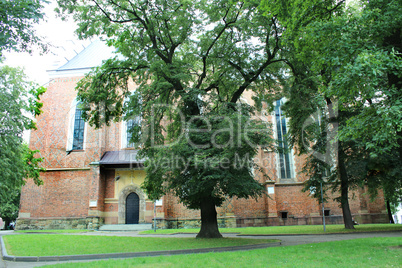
123	157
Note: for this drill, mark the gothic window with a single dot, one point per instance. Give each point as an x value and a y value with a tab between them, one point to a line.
131	123
285	159
76	128
79	127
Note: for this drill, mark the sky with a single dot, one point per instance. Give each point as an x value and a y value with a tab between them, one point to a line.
64	46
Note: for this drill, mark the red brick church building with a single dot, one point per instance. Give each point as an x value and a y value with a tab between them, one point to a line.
93	176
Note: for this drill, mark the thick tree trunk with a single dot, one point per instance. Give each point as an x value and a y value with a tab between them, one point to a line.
209	221
347	215
391	219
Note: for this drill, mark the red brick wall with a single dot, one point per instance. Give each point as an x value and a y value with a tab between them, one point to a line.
333	206
290	198
287	197
50	138
63	194
109	183
108	192
67	193
378	204
173	209
250	208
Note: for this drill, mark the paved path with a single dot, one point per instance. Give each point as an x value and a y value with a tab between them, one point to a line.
287	240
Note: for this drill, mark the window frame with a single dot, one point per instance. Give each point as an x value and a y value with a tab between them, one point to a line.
71	128
289	156
79	126
125	143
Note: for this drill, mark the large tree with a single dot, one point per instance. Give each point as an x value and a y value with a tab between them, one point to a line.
17	20
19	105
349	57
372	78
19	102
192	61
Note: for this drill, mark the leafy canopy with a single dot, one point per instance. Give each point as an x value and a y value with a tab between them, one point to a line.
350	56
17	18
191	62
19	105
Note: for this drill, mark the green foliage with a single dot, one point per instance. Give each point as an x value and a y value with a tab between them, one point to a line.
360	57
17	19
214	156
348	56
20	102
345	79
9	207
191	61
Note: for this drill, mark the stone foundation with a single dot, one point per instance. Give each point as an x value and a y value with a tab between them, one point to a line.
232	222
91	223
372	218
229	222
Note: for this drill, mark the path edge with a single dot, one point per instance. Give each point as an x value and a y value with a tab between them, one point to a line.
7	257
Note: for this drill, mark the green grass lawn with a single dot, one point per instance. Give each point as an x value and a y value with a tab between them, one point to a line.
298	229
367	252
57	245
55	231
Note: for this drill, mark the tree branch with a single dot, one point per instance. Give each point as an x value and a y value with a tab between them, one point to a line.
237	67
247	82
205	56
108	16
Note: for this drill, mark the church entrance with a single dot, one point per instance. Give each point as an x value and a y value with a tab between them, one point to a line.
132	209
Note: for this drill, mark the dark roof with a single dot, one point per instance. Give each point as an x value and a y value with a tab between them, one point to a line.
91	56
123	157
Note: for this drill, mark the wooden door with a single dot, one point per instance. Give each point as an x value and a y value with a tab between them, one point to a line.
132	209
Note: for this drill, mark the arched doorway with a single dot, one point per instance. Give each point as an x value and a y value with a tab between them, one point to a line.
132	208
125	192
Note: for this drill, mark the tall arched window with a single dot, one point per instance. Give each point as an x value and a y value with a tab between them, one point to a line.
285	158
76	130
129	125
78	133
